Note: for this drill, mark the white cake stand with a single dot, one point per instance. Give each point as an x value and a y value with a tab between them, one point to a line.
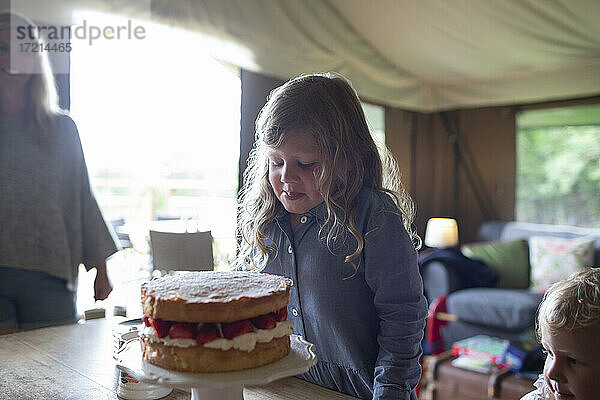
217	386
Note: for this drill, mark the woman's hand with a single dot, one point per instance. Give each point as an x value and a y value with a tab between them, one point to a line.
102	286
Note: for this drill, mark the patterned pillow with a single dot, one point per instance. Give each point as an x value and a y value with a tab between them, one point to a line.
553	259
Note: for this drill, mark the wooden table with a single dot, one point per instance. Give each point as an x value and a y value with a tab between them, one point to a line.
76	362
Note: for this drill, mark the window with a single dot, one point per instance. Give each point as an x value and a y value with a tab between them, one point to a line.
375	116
159	126
558	166
160	130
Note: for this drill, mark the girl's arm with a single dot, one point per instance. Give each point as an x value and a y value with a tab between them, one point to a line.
392	273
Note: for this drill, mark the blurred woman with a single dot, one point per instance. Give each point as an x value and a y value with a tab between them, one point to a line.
49	219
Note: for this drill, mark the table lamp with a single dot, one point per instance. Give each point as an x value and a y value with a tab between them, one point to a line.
441	233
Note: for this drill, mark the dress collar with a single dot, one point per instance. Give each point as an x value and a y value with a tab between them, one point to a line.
319	212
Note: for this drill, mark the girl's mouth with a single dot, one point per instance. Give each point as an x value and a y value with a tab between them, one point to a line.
292	195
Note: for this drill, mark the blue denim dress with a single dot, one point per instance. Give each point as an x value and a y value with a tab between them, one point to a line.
367	324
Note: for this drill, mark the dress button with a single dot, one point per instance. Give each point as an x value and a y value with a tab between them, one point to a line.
303	219
290	249
294	312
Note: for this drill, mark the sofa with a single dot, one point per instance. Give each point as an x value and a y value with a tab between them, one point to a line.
508	309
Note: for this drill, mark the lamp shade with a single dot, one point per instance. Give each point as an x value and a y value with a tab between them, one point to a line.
441	232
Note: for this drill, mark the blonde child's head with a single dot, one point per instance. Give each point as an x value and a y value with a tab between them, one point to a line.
326	107
572	304
569	329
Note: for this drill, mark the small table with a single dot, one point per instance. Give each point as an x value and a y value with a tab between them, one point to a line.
76	361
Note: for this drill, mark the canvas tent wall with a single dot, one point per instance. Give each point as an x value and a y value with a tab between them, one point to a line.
474	60
424	55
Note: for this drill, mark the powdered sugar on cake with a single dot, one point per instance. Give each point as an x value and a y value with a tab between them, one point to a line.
208	287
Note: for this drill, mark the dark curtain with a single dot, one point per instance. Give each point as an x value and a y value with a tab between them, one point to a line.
255	91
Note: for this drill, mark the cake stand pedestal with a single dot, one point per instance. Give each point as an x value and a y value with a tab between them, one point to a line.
219	385
234	393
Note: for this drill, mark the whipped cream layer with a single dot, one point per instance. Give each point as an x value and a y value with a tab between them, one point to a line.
245	342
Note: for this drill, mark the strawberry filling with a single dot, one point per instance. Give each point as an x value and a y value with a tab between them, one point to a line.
207	332
183	330
264	322
232	330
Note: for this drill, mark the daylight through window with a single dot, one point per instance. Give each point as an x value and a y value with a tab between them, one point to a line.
160	131
558	166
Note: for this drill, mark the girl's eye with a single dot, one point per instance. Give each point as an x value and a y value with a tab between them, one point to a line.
306	165
572	361
276	163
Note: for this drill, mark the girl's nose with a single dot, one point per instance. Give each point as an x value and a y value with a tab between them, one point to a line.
288	174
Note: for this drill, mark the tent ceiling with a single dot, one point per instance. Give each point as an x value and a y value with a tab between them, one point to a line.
461	41
424	55
470	53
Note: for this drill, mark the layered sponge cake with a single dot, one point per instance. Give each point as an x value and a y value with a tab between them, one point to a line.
215	321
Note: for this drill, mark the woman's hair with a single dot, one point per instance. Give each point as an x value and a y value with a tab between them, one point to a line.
571	304
327	107
42	100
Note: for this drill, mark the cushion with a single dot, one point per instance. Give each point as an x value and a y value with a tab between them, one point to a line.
508	309
553	259
509	259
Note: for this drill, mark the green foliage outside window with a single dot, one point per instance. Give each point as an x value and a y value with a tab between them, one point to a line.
558	174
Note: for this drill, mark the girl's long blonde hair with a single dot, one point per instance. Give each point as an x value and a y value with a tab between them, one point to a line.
327	107
42	99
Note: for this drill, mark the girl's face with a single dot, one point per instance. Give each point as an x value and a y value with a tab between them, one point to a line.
293	167
572	368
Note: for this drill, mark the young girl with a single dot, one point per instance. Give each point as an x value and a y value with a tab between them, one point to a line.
319	205
569	329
